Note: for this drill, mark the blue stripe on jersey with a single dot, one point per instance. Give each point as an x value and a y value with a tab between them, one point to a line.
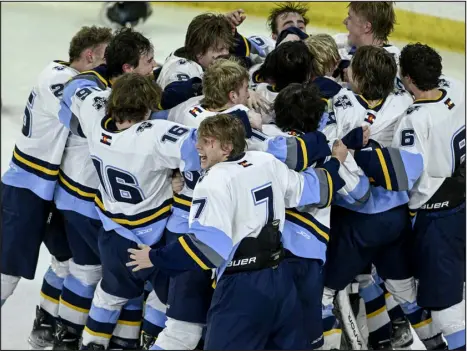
20	178
149	234
359	195
214	238
311	188
380	200
303	237
65	200
189	153
278	148
46	170
164	114
178	221
413	164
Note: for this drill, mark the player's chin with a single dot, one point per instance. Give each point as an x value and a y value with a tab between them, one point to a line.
204	162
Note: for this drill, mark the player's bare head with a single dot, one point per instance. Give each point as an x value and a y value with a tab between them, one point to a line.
372	72
290	62
132	98
89	44
220	137
208	36
421	66
368	21
299	107
288	14
225	82
129	51
325	53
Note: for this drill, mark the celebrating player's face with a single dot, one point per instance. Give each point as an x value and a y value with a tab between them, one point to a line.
146	64
355	26
242	95
213	53
210	151
287	20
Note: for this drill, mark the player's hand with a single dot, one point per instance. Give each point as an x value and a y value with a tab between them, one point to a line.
140	258
177	182
255	119
290	37
258	103
339	151
236	18
366	135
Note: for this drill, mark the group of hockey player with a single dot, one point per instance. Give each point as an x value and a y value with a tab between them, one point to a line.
223	200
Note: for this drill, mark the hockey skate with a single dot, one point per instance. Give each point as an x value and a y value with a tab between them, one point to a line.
401	337
42	334
63	339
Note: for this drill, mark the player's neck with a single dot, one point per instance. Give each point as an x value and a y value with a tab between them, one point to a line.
124	125
218	109
426	95
80	65
370	40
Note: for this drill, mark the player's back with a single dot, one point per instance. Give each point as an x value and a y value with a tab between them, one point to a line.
177	68
353	110
436	128
39	147
134	166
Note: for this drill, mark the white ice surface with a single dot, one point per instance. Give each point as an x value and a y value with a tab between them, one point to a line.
34	34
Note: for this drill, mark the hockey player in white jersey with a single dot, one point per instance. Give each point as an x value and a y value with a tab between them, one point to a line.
225	87
129	51
375	102
208	36
134	159
367	23
32	177
434	127
237	215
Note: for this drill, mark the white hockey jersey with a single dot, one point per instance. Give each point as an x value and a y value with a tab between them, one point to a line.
351	111
236	198
134	166
346	51
39	148
78	179
190	113
436	130
176	69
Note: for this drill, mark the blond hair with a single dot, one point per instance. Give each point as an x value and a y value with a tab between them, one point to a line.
219	79
326	56
227	129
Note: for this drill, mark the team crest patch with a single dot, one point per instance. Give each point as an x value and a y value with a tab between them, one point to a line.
370	118
143	127
343	101
99	102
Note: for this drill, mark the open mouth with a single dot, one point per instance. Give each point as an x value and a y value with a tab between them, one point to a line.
203	158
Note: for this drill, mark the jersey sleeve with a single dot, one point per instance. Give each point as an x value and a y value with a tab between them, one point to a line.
314	186
75	93
175	146
397	167
298	153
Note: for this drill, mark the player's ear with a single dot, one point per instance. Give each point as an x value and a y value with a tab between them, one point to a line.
126	68
232	96
88	55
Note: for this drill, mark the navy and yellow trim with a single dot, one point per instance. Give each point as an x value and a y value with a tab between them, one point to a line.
309	223
65	63
182	202
99	72
141	219
45	170
366	104
195	253
77	190
442	95
377	164
108	124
